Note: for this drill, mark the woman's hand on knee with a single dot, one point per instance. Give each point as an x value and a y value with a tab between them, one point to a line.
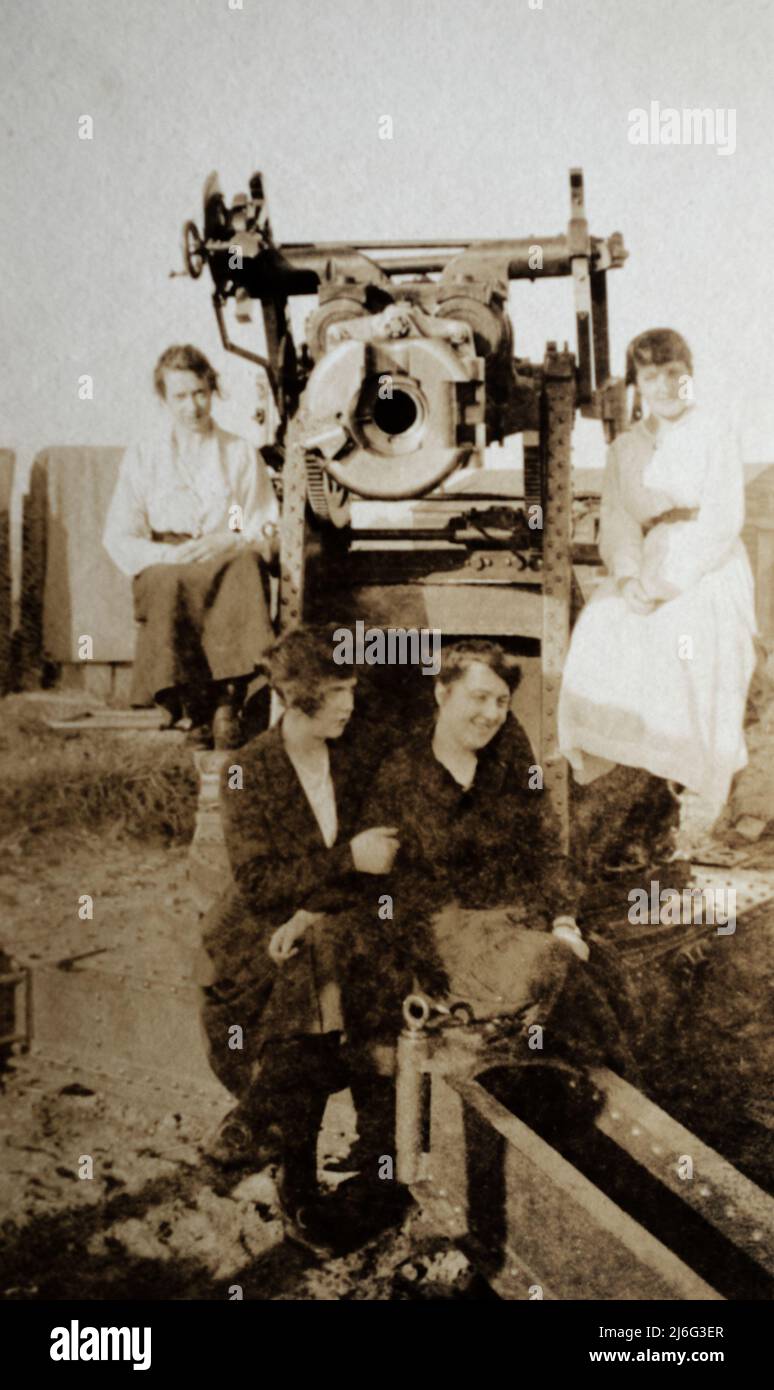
209	547
283	941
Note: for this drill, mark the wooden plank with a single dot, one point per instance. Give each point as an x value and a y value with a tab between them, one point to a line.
494	610
530	1215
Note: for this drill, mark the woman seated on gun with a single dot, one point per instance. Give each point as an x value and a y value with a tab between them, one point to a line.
290	815
661	657
479	908
193	520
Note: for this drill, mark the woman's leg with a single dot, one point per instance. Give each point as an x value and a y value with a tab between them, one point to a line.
202	629
297	1076
168	655
627	811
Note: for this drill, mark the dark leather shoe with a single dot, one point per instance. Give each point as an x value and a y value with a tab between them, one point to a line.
373	1201
302	1220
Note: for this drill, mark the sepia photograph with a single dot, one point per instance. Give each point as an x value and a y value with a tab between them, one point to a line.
387	667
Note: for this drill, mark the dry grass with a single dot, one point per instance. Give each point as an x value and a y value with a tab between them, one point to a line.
142	786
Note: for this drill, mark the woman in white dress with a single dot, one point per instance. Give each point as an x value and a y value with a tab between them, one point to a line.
662	656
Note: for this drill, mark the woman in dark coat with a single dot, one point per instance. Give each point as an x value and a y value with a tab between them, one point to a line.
481	903
290	811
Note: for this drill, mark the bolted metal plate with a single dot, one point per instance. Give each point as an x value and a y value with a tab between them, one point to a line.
728	1201
532	1220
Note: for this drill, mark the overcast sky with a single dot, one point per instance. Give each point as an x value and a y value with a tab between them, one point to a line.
491	101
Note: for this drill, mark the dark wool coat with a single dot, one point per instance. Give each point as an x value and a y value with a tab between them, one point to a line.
280	863
493	846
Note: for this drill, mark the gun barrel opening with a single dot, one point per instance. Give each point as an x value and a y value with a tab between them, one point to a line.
390	418
396	414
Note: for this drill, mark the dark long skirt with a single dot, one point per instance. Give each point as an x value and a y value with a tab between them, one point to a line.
242	986
200	622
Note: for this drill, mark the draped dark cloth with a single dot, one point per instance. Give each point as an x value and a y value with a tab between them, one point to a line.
204	621
479	877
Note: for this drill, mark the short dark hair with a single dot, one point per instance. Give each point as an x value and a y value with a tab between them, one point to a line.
456	659
183	358
300	665
656	346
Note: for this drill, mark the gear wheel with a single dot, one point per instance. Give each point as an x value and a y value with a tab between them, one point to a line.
327	498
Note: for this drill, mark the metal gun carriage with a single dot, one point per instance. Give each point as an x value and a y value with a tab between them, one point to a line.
391	517
407	374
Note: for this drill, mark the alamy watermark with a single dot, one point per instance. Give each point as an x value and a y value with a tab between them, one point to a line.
391	646
675	907
665	125
76	1343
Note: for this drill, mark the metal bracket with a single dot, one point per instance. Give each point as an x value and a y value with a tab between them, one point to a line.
293	532
559	409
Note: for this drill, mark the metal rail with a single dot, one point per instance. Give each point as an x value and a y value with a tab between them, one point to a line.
541	1223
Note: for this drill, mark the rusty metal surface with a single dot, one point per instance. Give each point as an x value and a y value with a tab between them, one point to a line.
293	532
557	573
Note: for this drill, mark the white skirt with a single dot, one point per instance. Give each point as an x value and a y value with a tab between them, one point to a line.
665	691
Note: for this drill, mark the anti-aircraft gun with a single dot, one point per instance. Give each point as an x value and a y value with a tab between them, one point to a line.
407	373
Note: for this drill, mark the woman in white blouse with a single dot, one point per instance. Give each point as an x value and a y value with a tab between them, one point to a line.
193	521
661	658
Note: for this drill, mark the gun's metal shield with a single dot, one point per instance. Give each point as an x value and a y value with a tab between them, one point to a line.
396	404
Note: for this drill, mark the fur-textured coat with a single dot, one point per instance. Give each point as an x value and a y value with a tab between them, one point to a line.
280	863
495	845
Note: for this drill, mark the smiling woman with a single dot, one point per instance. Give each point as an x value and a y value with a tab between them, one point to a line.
484	898
661	658
193	521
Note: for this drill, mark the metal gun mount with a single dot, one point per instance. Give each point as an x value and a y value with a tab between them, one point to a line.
439	306
407	373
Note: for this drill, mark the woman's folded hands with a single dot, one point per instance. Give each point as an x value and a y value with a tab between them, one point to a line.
219	543
635	596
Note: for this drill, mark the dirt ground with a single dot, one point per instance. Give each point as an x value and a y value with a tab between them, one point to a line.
154	1220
